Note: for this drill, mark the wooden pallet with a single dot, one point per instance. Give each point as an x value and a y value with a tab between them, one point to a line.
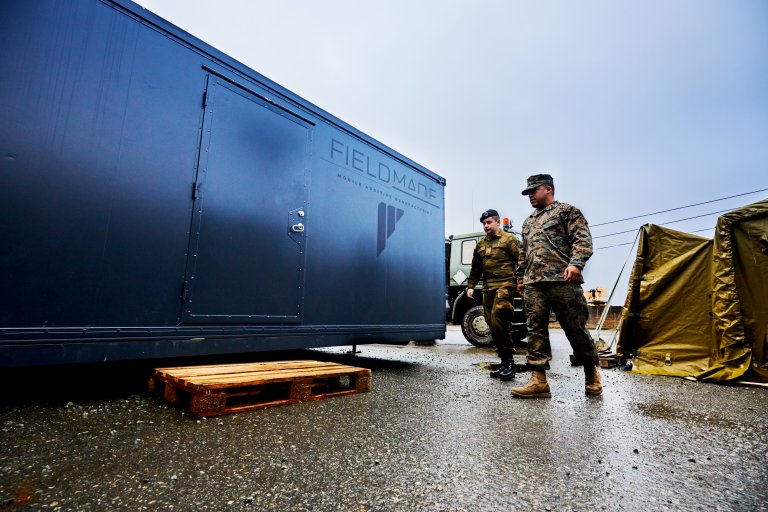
609	361
224	389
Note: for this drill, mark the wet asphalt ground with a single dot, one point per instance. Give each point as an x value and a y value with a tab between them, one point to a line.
434	434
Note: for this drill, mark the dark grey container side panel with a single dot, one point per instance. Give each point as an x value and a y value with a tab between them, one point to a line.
15	355
102	126
271	88
101	119
390	266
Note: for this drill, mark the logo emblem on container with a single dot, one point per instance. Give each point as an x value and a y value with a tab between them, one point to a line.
389	216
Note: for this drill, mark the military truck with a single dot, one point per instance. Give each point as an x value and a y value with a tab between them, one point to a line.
466	312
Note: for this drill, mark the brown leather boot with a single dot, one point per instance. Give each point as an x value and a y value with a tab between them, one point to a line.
537	387
593	382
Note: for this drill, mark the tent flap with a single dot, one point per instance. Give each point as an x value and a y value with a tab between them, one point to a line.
739	295
661	327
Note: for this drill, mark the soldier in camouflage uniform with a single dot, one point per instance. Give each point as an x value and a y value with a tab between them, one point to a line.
495	259
556	245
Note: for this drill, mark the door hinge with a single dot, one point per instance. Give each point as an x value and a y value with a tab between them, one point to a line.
205	99
195	190
184	289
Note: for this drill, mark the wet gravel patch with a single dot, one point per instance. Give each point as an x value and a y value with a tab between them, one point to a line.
435	433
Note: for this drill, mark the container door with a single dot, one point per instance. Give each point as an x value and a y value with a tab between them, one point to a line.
247	243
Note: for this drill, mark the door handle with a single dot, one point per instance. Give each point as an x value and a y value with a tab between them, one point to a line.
298	228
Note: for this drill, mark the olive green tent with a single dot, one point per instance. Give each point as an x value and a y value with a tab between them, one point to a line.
698	307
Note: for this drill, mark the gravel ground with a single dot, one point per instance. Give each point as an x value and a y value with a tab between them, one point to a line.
435	433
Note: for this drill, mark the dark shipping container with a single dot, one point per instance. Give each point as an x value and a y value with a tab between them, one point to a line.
158	198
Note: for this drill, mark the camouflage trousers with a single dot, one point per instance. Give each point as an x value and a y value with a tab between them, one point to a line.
568	302
498	310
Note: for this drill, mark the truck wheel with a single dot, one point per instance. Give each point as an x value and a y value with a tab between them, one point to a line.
476	330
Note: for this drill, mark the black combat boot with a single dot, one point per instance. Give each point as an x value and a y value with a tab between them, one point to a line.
507	371
496	374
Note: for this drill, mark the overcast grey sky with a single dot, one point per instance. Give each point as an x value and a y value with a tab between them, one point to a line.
633	106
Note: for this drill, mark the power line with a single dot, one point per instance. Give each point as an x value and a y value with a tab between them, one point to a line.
630	243
678	208
665	223
610	246
616	233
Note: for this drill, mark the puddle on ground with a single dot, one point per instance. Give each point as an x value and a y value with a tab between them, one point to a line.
662	411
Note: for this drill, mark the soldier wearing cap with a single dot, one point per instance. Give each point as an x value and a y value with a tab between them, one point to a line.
495	259
555	247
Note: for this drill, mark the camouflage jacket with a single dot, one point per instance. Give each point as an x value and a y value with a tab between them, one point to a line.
553	238
495	259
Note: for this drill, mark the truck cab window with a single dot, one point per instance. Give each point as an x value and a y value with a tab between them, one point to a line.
467	250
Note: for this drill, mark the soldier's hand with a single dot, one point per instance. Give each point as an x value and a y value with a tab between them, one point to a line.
471	293
572	273
521	290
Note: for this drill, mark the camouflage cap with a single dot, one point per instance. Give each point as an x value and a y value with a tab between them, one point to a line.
536	180
488	213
